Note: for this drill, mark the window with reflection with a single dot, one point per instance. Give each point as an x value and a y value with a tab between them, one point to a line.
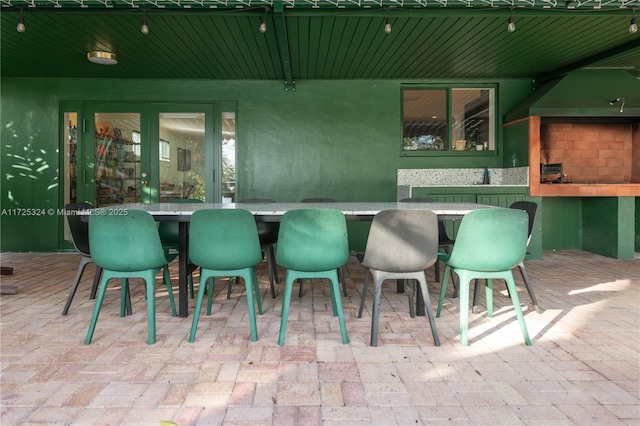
448	119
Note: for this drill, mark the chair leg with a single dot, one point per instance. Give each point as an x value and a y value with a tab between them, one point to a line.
96	309
437	270
429	308
341	279
196	312
337	306
375	311
364	292
150	280
463	286
81	267
166	278
286	301
250	288
516	305
410	295
96	281
443	288
525	277
476	296
489	297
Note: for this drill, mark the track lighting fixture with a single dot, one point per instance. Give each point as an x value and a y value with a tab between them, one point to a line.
616	100
511	26
20	27
633	25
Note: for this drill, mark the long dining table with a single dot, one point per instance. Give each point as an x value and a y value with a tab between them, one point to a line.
272	212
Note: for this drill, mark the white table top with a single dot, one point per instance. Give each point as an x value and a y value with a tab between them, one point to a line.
278	209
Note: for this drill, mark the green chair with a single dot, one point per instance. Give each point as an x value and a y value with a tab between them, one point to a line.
225	243
489	244
401	245
170	235
312	243
127	246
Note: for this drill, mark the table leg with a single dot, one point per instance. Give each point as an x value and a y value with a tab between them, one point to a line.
183	269
419	302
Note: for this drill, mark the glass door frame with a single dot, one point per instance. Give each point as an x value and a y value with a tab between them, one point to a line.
212	171
87	189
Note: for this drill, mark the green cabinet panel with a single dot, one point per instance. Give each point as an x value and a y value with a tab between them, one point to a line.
500	200
562	223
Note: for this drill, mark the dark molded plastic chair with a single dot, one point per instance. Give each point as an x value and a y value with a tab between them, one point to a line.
268	233
489	244
80	237
444	242
225	243
531	208
312	243
340	271
401	245
128	246
169	231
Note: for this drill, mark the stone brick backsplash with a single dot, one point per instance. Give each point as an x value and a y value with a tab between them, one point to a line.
592	153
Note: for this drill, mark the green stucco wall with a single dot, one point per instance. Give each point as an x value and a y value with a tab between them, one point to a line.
336	139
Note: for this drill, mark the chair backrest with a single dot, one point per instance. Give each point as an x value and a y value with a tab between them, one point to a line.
125	243
402	241
79	228
169	230
530	207
313	240
224	239
490	240
442	231
318	200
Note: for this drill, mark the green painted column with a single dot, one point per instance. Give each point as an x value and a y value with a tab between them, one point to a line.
608	226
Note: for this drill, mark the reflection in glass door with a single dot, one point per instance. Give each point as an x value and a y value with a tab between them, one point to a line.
228	157
117	158
181	156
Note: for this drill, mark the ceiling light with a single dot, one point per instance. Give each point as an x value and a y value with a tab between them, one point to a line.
387	26
102	58
20	27
633	26
511	26
144	29
263	25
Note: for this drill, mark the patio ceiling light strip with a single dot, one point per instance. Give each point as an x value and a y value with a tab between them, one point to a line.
320	4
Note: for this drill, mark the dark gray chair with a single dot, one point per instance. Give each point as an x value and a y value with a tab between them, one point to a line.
340	270
79	227
401	245
268	233
531	208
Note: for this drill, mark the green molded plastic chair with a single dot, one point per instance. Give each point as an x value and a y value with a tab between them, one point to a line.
340	271
530	207
225	243
312	244
401	245
128	246
169	231
489	244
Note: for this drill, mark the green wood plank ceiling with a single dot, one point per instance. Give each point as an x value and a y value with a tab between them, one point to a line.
337	39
